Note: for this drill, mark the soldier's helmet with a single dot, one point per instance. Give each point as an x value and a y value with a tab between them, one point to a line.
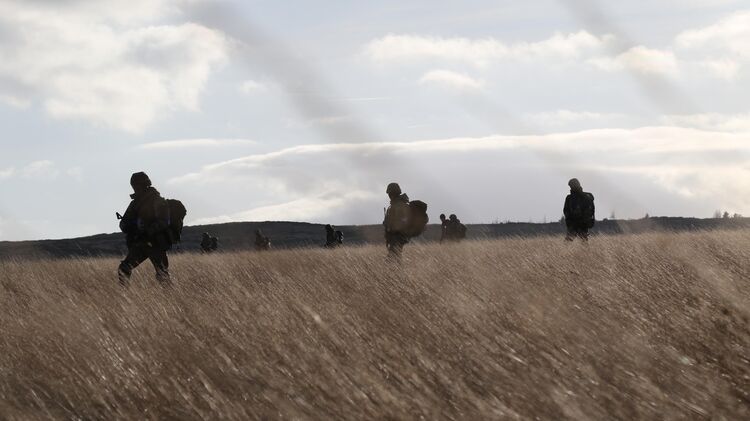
140	179
205	235
574	184
453	217
442	217
393	189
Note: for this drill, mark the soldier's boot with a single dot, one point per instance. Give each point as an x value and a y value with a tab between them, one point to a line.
395	251
162	275
123	273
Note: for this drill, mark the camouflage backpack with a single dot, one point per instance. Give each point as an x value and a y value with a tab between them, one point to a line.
583	209
177	214
418	218
460	231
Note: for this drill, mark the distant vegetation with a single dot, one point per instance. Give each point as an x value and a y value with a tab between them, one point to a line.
239	236
644	326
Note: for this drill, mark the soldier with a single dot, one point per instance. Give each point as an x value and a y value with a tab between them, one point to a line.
206	243
333	238
262	242
579	212
339	237
214	243
456	230
443	228
396	221
146	224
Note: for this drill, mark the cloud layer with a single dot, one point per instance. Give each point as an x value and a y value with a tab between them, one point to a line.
720	50
481	52
107	62
633	171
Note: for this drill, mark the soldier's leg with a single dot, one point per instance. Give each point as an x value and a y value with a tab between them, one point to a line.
396	248
160	260
583	233
571	235
136	256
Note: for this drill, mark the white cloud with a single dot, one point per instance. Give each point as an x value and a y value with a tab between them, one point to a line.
75	173
7	173
40	170
250	86
320	122
642	60
195	143
674	165
719	50
310	209
722	48
450	79
739	123
15	102
722	68
730	35
480	52
110	62
564	117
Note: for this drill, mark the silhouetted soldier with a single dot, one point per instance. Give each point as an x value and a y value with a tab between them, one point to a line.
146	224
339	237
333	238
214	243
261	241
206	243
579	212
396	221
443	228
456	231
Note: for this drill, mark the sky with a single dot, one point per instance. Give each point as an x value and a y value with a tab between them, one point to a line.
299	110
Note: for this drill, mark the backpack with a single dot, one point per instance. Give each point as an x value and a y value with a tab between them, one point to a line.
461	231
177	214
583	210
418	218
589	210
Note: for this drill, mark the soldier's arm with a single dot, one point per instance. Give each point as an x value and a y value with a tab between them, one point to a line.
128	221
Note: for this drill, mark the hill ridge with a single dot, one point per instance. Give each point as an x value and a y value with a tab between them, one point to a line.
236	236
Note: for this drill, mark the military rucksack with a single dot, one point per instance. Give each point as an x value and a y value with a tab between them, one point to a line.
418	218
460	231
583	209
589	211
177	214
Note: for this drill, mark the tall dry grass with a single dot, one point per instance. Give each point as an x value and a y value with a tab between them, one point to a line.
631	327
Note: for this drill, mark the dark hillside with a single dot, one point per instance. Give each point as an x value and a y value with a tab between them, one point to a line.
239	236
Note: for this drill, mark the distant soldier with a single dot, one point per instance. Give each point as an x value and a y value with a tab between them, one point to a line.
456	230
206	243
396	222
214	243
146	224
579	212
333	238
339	237
262	242
443	228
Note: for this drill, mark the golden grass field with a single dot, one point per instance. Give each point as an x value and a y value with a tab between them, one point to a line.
652	326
